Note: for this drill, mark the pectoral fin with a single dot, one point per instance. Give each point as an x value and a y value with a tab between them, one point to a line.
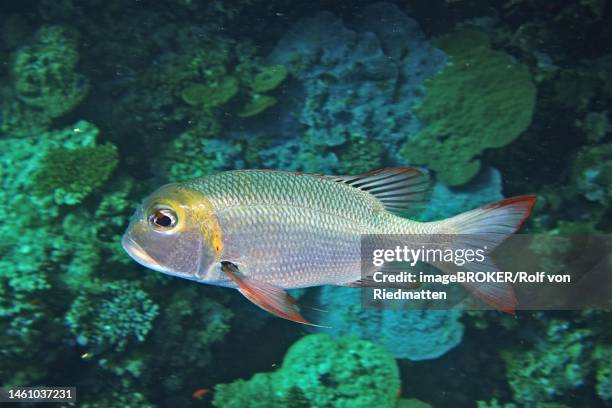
271	298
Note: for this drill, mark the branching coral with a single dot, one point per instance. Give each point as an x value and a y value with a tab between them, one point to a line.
111	315
483	99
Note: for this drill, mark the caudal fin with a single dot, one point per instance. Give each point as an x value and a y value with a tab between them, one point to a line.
487	227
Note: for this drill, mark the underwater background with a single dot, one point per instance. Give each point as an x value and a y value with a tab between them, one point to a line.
103	101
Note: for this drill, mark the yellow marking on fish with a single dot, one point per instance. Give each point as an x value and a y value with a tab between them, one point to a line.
204	217
192	208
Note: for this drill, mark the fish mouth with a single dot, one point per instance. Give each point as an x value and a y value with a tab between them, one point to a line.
140	255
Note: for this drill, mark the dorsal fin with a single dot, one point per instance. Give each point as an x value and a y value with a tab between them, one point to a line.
397	188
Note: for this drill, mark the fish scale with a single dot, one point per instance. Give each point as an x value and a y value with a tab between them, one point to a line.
291	229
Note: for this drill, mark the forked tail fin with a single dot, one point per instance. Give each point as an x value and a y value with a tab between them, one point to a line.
488	227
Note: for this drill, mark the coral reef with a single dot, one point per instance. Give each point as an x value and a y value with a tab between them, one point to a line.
602	356
558	362
44	73
45	84
407	334
320	371
592	172
101	102
111	315
446	201
69	175
482	99
356	78
190	155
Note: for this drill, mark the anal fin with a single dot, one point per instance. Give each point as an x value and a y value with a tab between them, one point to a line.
272	299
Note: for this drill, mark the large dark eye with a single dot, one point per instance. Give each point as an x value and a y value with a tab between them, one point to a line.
163	218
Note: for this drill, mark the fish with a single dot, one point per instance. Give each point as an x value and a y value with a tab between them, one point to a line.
200	393
263	232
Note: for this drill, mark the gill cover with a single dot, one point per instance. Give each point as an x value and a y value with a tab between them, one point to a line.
188	242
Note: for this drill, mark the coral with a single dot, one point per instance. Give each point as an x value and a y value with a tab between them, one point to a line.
111	315
192	155
46	254
320	371
195	316
44	72
118	398
70	175
494	404
595	126
482	99
256	105
603	375
44	84
360	155
446	201
362	80
211	94
592	172
407	334
558	362
268	78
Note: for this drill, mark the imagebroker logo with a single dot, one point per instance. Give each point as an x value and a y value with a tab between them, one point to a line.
524	272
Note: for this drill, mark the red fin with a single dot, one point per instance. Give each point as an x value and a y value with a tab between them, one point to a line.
500	295
271	298
522	205
397	188
502	218
489	226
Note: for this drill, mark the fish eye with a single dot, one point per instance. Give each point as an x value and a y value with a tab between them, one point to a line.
163	219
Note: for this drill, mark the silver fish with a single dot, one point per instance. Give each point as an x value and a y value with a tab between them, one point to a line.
262	232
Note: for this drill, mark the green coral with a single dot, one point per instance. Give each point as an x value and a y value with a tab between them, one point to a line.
38	249
558	362
112	315
256	105
269	78
70	175
211	94
321	371
482	99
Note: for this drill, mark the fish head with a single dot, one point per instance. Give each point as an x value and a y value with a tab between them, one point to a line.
175	231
